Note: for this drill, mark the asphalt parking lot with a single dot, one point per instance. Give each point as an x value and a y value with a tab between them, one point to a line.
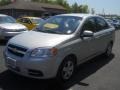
99	73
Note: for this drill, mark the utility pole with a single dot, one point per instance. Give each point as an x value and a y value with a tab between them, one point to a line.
103	12
92	11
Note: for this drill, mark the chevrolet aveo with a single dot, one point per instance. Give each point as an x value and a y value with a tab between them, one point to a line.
58	45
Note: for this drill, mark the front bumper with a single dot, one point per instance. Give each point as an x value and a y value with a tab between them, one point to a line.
42	68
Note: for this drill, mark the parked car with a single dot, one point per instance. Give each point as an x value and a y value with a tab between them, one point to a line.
30	22
58	45
109	21
9	27
116	23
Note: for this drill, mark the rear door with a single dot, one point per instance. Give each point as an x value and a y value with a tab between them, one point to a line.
102	34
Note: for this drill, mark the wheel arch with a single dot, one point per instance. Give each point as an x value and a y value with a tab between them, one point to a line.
73	56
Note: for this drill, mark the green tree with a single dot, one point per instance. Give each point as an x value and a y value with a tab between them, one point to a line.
75	8
67	7
63	3
59	2
35	0
85	9
42	1
4	2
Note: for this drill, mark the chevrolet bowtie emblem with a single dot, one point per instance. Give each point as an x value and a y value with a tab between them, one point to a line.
14	49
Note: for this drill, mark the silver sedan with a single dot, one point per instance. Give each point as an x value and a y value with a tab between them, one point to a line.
9	27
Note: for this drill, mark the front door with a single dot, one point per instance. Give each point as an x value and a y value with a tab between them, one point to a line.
87	45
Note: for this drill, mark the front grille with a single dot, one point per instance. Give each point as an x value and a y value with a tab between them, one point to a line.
16	50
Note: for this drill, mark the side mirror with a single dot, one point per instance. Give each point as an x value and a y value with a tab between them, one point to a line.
87	33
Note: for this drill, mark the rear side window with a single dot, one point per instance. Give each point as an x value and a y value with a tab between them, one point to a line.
101	24
90	24
24	20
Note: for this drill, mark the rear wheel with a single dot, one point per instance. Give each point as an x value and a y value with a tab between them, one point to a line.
66	69
109	50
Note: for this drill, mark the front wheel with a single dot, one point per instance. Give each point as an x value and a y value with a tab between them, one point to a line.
66	70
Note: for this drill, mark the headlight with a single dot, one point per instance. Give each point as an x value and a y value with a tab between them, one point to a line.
43	52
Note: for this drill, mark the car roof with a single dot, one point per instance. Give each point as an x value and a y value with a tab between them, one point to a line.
3	15
79	15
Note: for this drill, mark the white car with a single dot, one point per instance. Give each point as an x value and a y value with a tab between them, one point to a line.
58	45
9	27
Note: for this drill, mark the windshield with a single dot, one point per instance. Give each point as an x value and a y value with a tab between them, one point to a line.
37	20
60	25
7	19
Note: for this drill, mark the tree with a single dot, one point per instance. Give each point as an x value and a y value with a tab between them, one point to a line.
59	2
42	1
75	8
35	0
67	6
85	9
4	2
63	3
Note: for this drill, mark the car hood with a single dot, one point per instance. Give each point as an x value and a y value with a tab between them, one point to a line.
33	39
12	26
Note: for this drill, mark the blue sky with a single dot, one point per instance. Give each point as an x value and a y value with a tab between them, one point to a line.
108	6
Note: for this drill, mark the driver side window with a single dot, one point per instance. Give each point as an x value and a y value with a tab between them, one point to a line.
27	21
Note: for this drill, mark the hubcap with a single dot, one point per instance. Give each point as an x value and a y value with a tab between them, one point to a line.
68	69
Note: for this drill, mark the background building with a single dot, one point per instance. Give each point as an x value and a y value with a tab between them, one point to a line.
27	8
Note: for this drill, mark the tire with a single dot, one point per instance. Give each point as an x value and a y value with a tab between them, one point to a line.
66	70
109	50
